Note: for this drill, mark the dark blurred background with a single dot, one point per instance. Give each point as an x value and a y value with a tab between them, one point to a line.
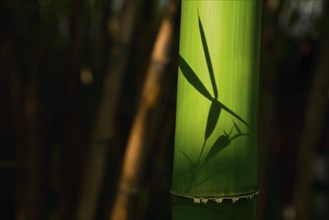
79	80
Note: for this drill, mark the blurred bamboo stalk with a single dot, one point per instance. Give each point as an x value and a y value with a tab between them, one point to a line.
160	169
159	144
32	146
314	122
266	200
105	118
71	126
102	35
136	152
8	164
17	115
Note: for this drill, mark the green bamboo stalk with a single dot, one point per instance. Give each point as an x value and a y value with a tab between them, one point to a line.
215	157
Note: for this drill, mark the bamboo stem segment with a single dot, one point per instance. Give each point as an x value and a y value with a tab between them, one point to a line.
215	155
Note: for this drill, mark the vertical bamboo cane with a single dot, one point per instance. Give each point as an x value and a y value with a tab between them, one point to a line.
32	120
215	157
136	151
105	121
314	123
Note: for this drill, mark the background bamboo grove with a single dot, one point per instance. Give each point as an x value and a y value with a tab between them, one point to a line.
88	94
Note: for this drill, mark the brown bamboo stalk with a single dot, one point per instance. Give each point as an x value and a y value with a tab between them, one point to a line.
105	118
165	139
314	123
134	160
159	140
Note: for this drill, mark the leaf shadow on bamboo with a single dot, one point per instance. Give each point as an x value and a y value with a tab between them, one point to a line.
215	110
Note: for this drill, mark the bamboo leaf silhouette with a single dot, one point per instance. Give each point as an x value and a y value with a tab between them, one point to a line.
222	142
236	127
213	116
234	114
239	135
192	78
207	55
189	160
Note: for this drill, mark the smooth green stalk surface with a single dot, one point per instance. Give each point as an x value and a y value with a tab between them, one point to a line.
187	209
215	153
